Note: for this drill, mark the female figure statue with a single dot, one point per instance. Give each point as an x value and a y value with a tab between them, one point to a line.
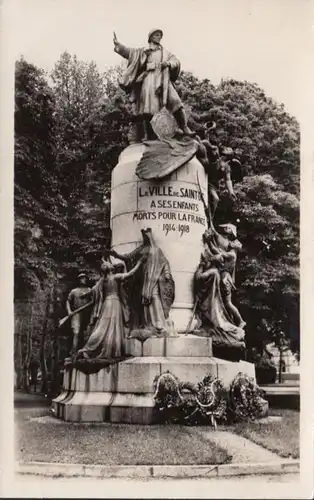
150	308
108	318
158	286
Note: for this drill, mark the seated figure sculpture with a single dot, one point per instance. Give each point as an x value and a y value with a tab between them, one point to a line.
214	279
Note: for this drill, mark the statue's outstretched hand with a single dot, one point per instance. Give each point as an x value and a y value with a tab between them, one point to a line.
115	40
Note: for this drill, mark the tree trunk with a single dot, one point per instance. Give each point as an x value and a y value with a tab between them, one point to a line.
280	364
19	362
55	382
43	364
26	363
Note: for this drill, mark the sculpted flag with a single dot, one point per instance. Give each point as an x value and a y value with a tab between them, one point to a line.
163	157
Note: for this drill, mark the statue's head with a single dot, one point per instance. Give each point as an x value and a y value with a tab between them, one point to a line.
155	35
204	261
235	245
106	267
207	235
82	278
118	265
229	230
147	235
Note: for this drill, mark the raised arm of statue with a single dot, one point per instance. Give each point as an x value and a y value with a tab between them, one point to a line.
119	48
128	258
207	210
123	276
120	256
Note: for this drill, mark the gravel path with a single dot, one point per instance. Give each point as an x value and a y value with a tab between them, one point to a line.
241	449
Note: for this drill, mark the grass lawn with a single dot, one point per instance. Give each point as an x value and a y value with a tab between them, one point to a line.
281	437
42	439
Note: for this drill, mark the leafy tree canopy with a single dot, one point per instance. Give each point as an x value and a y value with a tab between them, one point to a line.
70	128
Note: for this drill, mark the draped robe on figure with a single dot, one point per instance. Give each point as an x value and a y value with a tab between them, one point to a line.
210	309
158	288
151	290
109	321
211	312
148	88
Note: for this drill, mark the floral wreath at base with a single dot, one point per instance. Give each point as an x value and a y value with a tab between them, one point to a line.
246	399
208	402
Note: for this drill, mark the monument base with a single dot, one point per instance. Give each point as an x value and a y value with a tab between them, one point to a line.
123	392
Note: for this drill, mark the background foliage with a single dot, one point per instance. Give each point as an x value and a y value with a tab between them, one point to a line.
70	127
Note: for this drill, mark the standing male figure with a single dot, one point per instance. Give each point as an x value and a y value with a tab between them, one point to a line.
149	79
79	320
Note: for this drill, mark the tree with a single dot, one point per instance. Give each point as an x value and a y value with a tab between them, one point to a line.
39	207
89	138
69	131
266	140
40	224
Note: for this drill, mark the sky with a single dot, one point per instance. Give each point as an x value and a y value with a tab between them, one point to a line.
261	41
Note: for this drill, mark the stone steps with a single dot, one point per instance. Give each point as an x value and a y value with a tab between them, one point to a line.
283	395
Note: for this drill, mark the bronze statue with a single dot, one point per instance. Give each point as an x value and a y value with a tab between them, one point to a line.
219	163
108	320
77	298
150	308
149	79
226	247
213	319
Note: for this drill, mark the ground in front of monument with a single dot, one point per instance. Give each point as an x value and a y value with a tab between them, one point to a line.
45	446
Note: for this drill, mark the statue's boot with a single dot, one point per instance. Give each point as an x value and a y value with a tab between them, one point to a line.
180	117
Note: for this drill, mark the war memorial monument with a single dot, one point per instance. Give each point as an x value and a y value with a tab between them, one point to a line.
162	322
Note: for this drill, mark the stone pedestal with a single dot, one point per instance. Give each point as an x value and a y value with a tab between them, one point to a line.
172	207
123	392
